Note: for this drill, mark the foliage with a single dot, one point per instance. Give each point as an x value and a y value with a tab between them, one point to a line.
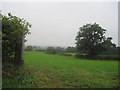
78	55
99	57
37	48
51	50
71	49
15	76
13	28
55	49
59	49
91	40
40	50
111	51
109	57
29	48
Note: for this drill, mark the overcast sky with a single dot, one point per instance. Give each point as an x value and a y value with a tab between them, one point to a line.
57	23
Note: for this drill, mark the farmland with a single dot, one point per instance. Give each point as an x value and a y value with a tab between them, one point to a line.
55	71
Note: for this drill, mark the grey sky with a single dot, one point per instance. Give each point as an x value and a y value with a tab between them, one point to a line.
57	23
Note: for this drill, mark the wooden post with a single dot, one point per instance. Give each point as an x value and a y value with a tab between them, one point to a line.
0	51
19	52
22	52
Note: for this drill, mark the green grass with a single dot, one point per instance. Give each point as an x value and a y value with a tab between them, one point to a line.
50	71
73	54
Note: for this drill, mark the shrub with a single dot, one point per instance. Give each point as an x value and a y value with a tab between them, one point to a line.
109	57
51	50
14	29
81	55
39	50
29	48
100	57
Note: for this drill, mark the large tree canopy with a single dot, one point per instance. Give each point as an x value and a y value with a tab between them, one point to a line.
91	40
13	28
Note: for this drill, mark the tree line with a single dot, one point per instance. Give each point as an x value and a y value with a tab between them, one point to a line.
69	49
51	50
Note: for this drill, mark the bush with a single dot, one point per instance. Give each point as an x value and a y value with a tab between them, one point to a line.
100	57
39	50
51	50
29	48
109	57
81	55
13	30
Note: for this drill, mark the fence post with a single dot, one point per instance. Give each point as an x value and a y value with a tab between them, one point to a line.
19	52
22	50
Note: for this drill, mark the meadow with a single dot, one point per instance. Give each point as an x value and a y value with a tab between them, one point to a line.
41	70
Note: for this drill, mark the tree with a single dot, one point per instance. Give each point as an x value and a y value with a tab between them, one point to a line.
111	51
91	40
59	49
14	29
51	50
29	48
71	49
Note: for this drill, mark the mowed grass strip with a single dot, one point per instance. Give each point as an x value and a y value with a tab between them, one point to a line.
63	71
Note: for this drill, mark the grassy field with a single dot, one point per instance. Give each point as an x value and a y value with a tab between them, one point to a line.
43	70
73	54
